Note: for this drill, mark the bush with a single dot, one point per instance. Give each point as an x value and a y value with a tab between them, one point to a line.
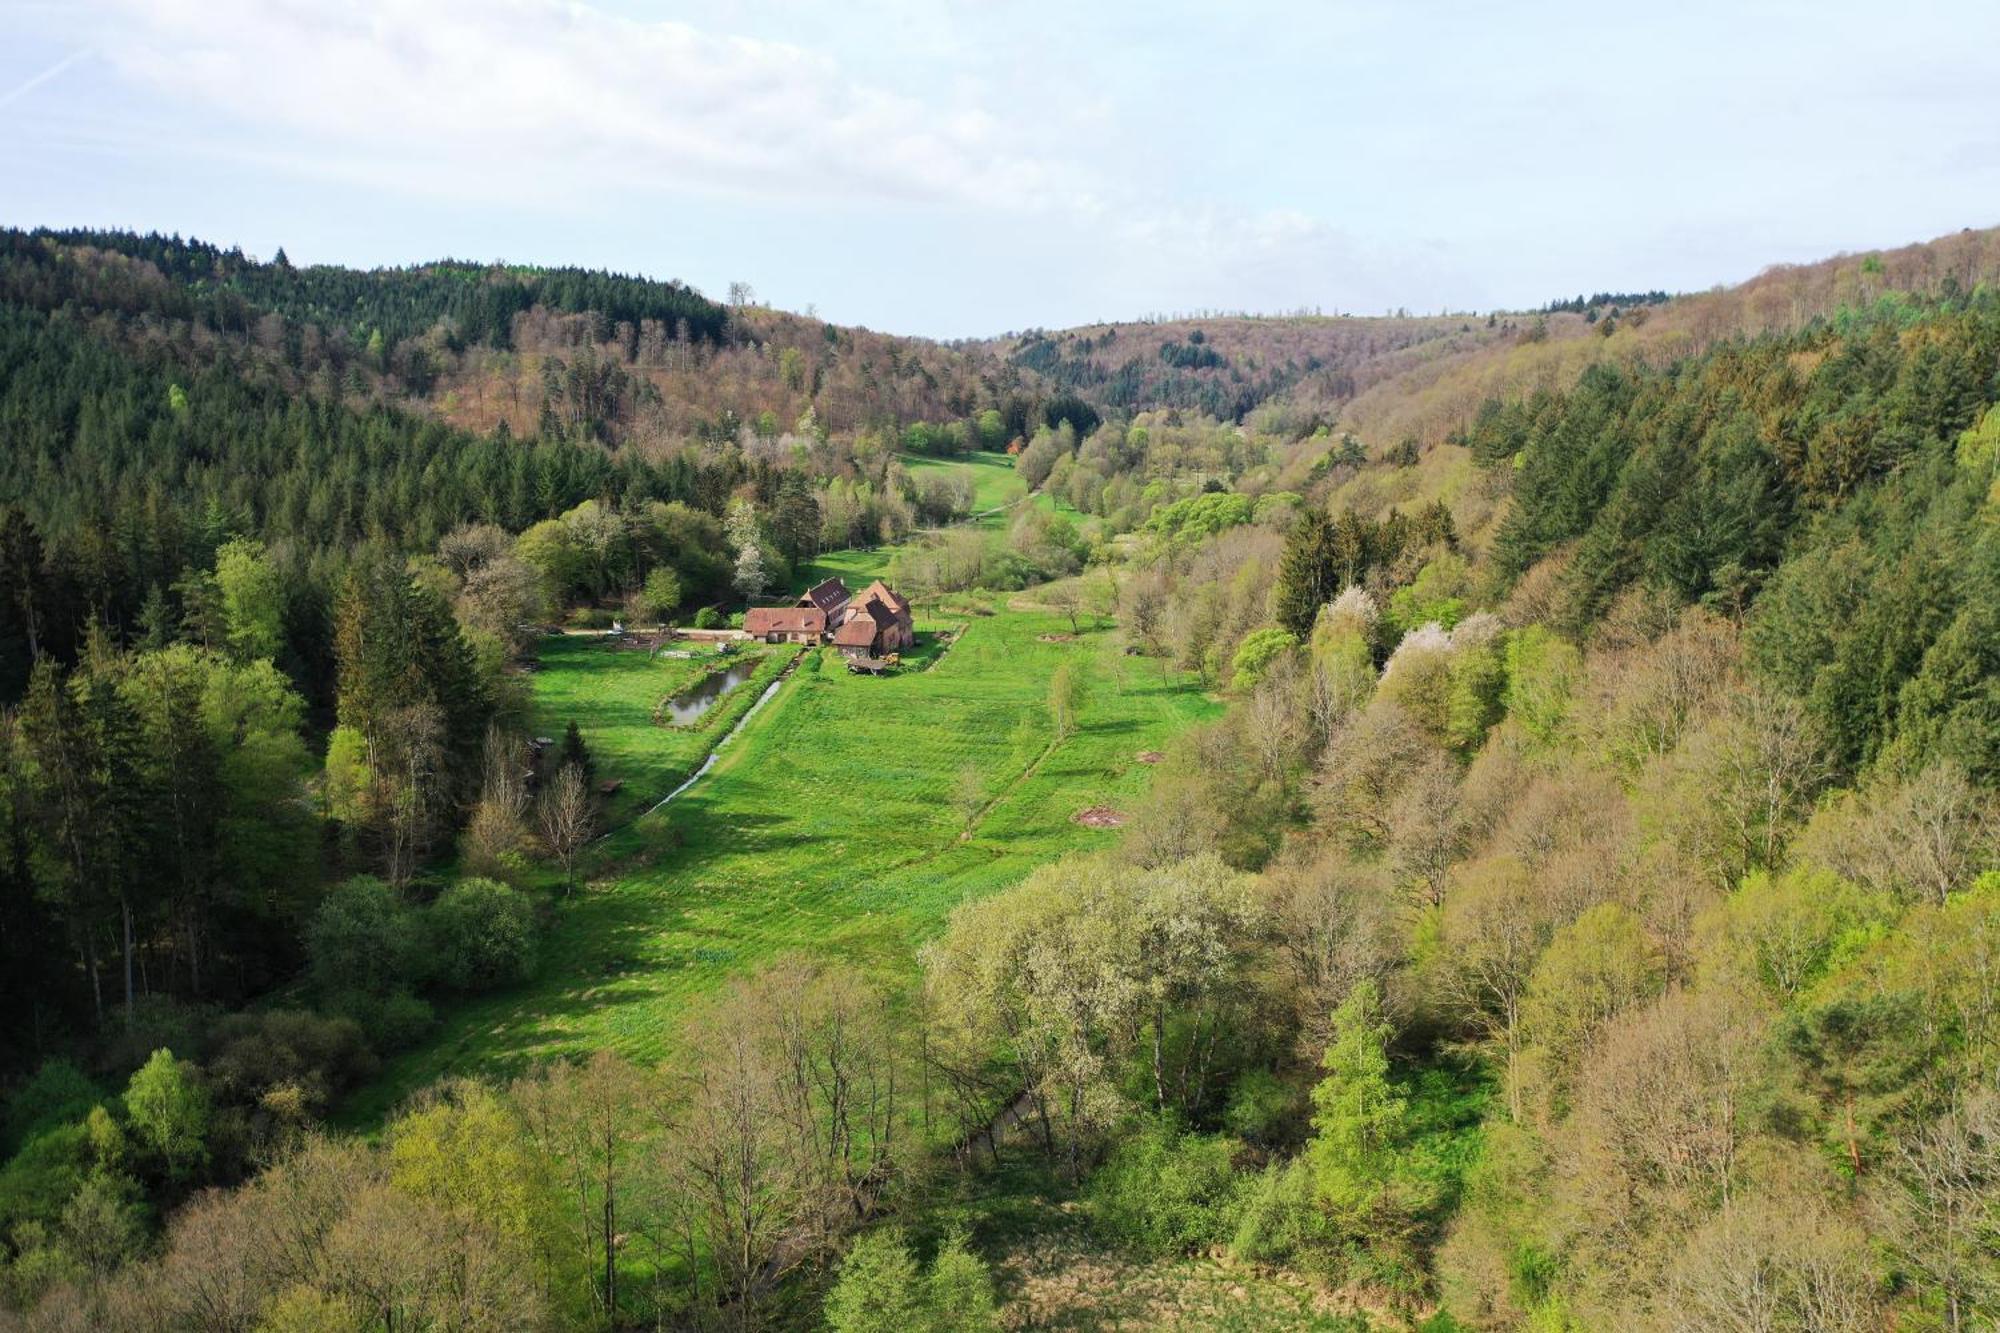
58	1094
1280	1219
43	1175
1261	1107
881	1289
481	935
878	1291
363	938
708	618
288	1062
1166	1192
391	1022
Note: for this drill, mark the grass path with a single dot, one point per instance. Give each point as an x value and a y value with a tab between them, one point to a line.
830	824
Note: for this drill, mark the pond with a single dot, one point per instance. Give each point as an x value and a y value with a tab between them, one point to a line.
685	708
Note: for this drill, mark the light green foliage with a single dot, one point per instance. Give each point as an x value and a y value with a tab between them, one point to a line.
253	599
346	783
882	1289
962	1298
1542	675
464	1150
550	550
481	934
1979	446
1476	697
1436	596
169	1112
1190	521
1358	1115
1783	932
1165	1191
879	1290
1599	964
1258	651
1282	1218
43	1173
662	594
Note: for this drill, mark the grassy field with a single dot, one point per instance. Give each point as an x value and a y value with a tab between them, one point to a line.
610	692
830	824
995	484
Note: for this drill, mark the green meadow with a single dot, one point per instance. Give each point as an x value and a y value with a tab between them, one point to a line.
835	822
610	691
995	484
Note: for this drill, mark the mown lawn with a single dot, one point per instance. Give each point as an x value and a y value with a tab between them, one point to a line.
610	690
995	484
831	824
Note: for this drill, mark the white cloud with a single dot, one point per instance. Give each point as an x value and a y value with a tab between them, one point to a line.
511	97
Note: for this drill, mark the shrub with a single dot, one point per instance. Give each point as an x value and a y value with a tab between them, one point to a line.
362	938
878	1291
1256	654
707	618
287	1061
1280	1219
961	1289
1164	1191
58	1094
1260	1106
881	1289
391	1021
39	1179
481	935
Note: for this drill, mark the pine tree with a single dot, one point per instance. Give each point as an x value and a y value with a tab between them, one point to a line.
575	752
1305	573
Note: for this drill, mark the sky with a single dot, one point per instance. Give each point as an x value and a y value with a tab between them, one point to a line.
968	167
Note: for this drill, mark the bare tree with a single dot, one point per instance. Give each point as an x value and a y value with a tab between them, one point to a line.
1067	598
586	1120
568	816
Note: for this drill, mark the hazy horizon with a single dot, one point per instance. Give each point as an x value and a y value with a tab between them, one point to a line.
958	171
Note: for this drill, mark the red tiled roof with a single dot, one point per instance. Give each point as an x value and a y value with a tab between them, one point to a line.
857	631
880	591
764	620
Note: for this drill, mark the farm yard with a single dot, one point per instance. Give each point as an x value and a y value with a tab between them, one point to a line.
837	822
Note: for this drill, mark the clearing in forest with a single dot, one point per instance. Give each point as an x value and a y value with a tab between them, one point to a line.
838	821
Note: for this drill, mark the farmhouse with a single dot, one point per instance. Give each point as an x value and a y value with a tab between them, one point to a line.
875	623
786	624
829	597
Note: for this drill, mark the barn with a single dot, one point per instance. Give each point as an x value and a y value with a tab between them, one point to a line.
785	624
873	624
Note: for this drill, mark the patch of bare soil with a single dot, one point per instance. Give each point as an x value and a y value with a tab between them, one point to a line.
1056	638
1099	816
1149	756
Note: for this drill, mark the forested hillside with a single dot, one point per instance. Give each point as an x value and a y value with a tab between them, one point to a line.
1421	823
